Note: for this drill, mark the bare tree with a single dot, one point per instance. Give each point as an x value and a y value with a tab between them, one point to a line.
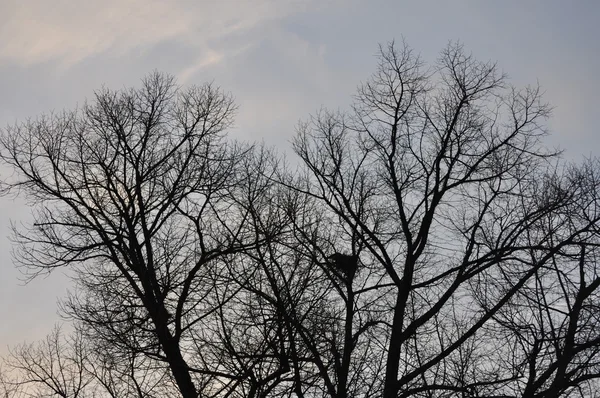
72	366
546	337
134	191
441	175
52	367
429	245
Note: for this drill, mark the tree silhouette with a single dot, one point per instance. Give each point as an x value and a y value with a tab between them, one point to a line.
442	177
134	190
428	244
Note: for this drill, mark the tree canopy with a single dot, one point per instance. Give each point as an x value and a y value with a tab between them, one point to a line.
428	244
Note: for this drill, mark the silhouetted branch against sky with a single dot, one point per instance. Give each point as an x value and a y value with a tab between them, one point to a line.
282	208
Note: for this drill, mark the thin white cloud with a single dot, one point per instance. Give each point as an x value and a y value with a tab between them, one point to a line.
210	58
67	32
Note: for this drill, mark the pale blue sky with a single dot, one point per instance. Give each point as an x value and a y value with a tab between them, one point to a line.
281	60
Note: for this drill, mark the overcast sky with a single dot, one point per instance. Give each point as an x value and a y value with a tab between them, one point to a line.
281	60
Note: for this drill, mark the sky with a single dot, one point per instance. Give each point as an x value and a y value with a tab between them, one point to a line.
281	60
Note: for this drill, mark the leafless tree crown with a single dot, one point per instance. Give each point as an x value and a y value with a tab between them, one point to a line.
428	245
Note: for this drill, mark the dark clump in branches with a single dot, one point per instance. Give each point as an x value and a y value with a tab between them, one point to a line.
344	266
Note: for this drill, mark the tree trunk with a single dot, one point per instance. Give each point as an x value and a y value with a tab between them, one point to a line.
177	363
390	388
348	346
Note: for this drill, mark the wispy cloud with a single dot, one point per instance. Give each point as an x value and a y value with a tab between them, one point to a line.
66	32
